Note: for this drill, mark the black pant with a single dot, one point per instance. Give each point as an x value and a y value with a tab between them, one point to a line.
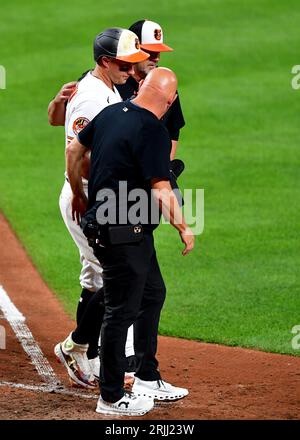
134	292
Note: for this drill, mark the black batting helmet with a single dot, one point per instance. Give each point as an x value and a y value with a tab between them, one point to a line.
119	43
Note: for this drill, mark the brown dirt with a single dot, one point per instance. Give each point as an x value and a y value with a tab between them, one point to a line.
224	382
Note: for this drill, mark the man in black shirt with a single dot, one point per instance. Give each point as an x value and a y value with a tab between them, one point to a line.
150	35
129	143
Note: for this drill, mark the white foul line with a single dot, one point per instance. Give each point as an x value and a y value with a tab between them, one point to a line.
49	389
44	369
24	335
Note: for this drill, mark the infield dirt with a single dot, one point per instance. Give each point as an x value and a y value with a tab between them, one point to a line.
224	382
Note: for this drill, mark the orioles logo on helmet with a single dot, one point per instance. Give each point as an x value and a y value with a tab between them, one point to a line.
79	124
157	34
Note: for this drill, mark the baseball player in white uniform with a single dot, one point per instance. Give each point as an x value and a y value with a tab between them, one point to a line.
115	50
90	97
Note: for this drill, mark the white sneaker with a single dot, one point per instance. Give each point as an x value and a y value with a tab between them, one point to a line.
129	405
95	367
73	357
158	389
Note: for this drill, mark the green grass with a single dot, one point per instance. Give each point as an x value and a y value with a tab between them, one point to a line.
240	286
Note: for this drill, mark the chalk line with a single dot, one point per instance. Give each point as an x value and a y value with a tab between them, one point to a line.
30	346
49	389
25	337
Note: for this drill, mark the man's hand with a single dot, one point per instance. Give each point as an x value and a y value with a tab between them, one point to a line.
57	107
187	237
65	92
79	205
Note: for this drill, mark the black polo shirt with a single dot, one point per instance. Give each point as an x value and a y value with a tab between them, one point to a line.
128	143
173	119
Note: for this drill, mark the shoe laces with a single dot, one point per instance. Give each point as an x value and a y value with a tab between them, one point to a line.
129	395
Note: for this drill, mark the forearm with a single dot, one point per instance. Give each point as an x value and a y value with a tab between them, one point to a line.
169	205
56	112
57	107
74	158
172	211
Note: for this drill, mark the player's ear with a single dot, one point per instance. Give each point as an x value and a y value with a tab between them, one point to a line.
103	61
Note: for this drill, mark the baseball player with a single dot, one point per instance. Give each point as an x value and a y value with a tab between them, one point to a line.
115	51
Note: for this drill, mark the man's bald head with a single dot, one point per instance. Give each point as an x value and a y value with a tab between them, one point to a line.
161	80
158	90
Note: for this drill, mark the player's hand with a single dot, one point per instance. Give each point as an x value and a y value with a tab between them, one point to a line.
65	92
79	205
187	237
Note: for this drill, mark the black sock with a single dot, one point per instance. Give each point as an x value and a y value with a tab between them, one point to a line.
85	297
89	326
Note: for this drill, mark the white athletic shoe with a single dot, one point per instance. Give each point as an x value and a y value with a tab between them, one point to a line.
73	357
129	405
95	367
158	389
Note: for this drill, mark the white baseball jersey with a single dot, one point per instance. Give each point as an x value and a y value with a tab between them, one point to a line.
90	97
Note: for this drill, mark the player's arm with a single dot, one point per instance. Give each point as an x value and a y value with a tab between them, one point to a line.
84	112
168	203
57	107
75	152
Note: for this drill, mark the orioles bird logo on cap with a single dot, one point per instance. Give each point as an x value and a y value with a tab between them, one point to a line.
157	34
137	44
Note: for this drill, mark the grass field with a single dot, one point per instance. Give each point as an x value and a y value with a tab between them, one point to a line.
241	144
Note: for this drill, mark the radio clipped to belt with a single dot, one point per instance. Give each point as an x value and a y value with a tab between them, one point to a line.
111	235
91	231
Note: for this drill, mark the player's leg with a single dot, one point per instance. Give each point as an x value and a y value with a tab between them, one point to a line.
91	272
125	273
73	352
148	381
90	307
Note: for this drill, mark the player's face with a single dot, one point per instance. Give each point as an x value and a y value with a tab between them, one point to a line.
144	67
120	71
